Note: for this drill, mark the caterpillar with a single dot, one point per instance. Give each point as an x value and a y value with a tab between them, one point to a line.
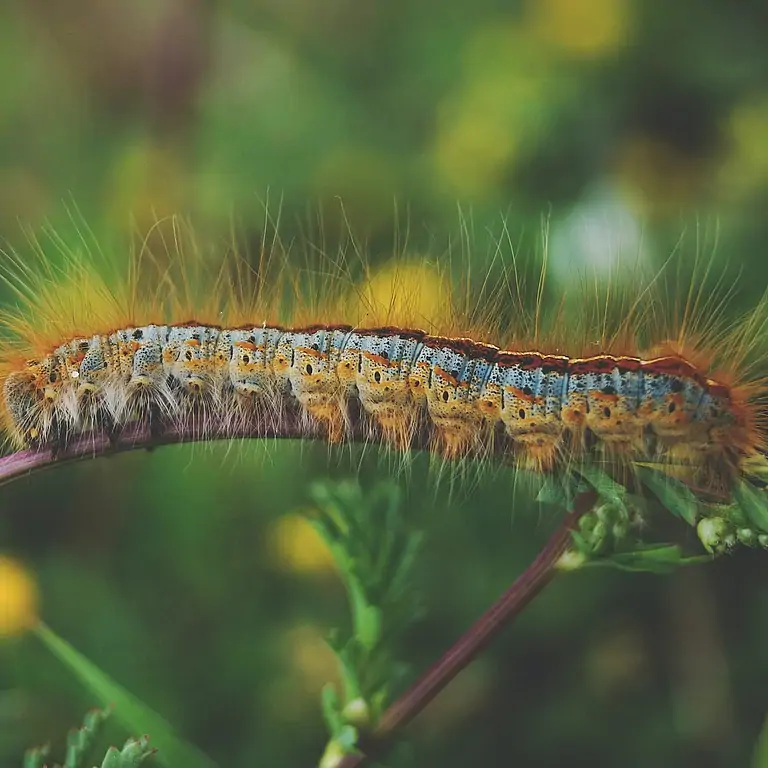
87	357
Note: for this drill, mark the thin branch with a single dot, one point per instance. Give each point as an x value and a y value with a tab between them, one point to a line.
538	574
287	423
96	444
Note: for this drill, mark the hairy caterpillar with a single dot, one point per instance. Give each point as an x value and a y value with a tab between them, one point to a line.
88	357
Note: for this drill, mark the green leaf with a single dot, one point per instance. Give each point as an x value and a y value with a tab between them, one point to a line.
756	466
583	547
136	716
606	486
347	738
659	559
132	755
135	752
404	568
553	492
112	759
80	740
35	758
753	503
368	626
331	707
674	495
561	489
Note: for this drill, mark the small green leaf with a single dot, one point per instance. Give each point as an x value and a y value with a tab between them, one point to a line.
35	757
561	489
756	466
754	504
674	495
331	707
132	755
659	559
135	752
582	545
112	758
406	562
606	486
347	738
553	491
368	627
136	716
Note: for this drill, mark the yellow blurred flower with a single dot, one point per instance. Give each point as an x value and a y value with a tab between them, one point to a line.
587	28
298	547
308	664
407	294
309	655
497	108
473	152
18	598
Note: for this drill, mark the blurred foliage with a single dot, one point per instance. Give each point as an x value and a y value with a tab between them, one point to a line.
375	553
80	742
184	573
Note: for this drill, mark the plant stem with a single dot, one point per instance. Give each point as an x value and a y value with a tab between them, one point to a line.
538	574
286	423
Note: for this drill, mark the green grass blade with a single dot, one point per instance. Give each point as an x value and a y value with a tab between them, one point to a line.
136	716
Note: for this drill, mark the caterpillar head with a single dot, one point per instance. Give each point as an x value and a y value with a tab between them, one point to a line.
47	376
27	409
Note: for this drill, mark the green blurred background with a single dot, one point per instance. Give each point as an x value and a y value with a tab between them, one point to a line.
187	573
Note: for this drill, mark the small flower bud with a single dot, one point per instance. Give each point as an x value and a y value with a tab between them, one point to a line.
713	532
333	755
571	560
619	531
605	513
599	532
357	713
747	536
587	524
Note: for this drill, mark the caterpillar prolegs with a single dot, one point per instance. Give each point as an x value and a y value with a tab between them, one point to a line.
466	397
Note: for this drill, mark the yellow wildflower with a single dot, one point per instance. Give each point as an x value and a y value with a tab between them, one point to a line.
18	598
298	547
411	294
588	29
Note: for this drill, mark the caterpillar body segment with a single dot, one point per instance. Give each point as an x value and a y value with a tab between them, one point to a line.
470	397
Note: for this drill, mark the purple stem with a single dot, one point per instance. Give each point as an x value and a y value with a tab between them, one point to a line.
538	574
